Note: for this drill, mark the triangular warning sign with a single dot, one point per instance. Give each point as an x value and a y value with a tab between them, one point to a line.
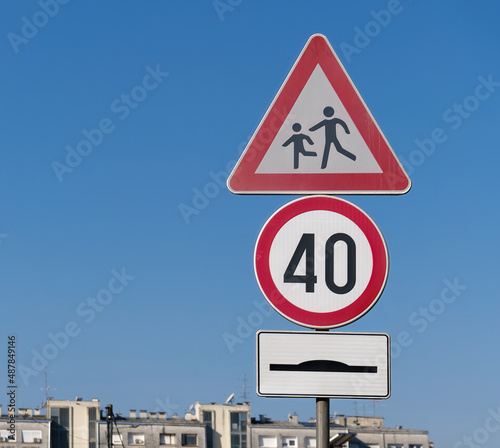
318	136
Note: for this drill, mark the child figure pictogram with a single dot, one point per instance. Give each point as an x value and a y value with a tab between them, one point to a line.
298	145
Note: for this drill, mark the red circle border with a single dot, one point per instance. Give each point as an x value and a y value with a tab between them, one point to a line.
281	304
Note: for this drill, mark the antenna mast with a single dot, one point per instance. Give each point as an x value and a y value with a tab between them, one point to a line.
245	397
46	389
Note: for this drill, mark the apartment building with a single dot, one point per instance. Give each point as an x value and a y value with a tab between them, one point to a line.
74	423
226	424
370	432
81	424
145	429
28	429
345	432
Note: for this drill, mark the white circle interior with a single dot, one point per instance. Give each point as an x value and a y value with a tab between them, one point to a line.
323	224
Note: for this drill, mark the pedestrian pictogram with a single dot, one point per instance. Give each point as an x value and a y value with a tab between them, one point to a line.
318	136
298	145
330	126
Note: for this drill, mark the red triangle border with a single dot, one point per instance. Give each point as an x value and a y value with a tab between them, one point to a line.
392	180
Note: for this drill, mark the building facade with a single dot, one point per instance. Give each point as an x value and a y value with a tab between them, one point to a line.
27	429
346	432
74	423
227	424
80	424
370	432
153	430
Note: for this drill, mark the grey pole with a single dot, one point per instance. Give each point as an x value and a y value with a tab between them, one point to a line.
322	422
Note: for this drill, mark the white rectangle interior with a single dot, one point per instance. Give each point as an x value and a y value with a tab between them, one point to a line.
341	351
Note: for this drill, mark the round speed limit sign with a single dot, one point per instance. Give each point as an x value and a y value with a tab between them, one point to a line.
321	262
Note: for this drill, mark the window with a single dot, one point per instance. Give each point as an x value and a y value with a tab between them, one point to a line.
415	446
92	427
395	445
60	416
374	445
167	439
268	442
289	441
208	419
5	434
60	427
31	436
311	442
239	429
189	440
238	441
238	421
135	438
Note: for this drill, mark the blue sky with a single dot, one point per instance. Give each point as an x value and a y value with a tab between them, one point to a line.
173	284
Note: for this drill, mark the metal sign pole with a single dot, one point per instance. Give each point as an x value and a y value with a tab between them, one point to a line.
322	422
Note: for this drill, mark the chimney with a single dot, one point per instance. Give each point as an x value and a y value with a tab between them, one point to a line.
293	418
22	411
153	415
37	411
0	409
341	419
133	413
175	416
143	413
162	415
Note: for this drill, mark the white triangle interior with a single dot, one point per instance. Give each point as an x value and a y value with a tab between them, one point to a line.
317	94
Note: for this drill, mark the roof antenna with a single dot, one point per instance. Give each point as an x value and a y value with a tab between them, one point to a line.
46	389
245	396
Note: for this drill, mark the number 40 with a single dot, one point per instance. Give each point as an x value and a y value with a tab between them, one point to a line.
306	246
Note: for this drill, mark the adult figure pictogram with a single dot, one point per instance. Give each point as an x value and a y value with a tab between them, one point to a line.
330	125
298	145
